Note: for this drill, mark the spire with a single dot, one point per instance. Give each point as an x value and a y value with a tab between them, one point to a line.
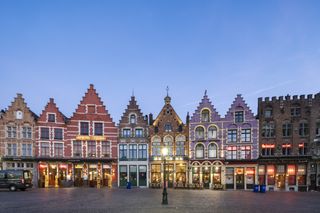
132	92
167	99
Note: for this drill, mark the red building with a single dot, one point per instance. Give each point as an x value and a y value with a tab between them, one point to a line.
91	143
53	167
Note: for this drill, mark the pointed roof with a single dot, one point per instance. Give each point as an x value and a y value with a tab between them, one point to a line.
52	107
166	106
19	100
131	107
205	103
238	103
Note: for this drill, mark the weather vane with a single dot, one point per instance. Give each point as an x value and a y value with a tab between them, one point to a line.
167	90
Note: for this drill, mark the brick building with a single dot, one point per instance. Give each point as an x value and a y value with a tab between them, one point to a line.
133	147
206	143
17	136
289	142
168	130
241	146
91	143
53	167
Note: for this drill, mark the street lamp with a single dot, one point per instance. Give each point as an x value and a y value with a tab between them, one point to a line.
164	193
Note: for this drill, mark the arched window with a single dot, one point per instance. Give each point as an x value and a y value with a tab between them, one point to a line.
212	150
133	119
180	143
156	146
212	132
168	142
199	151
199	132
205	114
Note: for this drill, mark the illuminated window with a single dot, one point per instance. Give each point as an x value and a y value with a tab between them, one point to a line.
267	149
199	151
168	142
231	152
303	148
245	152
286	149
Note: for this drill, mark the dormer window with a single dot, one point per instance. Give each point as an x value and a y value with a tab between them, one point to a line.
133	119
205	115
238	117
51	118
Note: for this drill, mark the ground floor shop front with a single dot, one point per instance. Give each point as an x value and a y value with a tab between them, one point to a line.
283	176
135	173
78	174
176	174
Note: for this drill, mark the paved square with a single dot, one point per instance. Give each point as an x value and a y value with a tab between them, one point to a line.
149	200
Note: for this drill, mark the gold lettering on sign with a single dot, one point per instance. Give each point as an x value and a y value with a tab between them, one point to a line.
92	137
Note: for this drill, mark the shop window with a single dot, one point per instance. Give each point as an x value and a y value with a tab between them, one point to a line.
133	175
246	135
142	175
261	174
291	171
301	175
156	175
232	135
123	175
84	128
271	174
196	175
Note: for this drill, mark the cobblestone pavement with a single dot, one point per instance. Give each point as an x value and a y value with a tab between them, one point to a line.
149	200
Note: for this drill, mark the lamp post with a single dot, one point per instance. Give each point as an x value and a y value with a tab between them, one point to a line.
164	193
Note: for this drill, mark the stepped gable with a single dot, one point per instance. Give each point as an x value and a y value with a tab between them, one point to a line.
19	104
205	103
91	98
51	107
238	103
132	107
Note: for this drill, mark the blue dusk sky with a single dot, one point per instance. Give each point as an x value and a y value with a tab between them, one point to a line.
254	48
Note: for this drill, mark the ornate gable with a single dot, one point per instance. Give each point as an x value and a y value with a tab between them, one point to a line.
133	108
239	104
51	107
205	104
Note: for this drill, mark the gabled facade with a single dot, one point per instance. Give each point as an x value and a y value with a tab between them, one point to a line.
17	136
91	143
168	131
289	142
133	147
241	146
206	144
50	148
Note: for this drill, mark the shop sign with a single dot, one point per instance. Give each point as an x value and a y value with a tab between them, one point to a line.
90	137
